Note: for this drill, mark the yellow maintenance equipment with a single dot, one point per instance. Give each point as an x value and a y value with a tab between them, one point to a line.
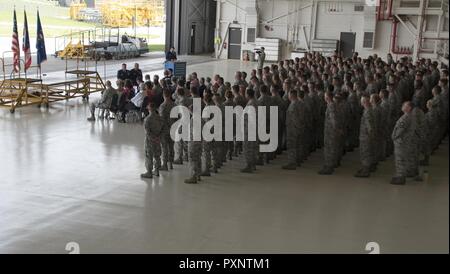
73	51
123	13
75	7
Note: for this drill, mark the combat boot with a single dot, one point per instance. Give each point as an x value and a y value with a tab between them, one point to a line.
206	173
398	181
156	172
191	181
170	165
247	169
147	175
91	119
290	167
178	162
326	171
164	167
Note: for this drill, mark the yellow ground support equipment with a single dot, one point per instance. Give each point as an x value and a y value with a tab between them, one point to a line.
73	51
123	13
75	7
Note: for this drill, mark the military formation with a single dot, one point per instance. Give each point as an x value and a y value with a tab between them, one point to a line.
381	108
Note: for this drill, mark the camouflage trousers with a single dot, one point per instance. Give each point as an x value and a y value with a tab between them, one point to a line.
168	151
366	152
182	149
237	147
330	151
229	148
295	147
210	155
250	152
152	155
195	158
403	160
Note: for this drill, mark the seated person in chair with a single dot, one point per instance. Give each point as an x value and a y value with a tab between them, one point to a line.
104	103
125	103
141	99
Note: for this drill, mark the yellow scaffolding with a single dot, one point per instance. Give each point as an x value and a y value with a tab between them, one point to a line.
75	7
19	90
123	13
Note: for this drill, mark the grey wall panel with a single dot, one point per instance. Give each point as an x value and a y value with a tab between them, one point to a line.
169	23
202	14
181	15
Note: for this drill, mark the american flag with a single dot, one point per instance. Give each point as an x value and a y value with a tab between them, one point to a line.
26	43
15	46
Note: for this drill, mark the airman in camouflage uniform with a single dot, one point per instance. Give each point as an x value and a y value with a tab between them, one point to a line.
402	136
308	105
386	122
209	147
238	100
167	142
250	147
331	135
182	148
295	126
378	133
230	144
280	104
195	157
265	101
355	119
220	145
366	138
431	130
316	109
420	97
419	141
153	128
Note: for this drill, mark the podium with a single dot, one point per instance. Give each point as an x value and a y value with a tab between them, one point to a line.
178	68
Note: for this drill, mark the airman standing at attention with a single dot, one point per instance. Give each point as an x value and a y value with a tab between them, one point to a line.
153	129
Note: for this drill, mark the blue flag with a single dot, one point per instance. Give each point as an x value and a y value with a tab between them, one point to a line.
40	42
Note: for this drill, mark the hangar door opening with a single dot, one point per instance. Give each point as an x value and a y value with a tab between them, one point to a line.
190	25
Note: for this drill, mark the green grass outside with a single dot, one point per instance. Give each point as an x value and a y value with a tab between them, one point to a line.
55	19
154	48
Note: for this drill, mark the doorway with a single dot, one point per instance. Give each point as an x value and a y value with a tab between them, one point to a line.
347	44
234	43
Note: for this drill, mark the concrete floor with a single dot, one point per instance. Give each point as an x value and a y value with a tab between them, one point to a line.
63	180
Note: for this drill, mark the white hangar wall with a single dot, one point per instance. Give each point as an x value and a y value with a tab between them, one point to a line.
298	22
